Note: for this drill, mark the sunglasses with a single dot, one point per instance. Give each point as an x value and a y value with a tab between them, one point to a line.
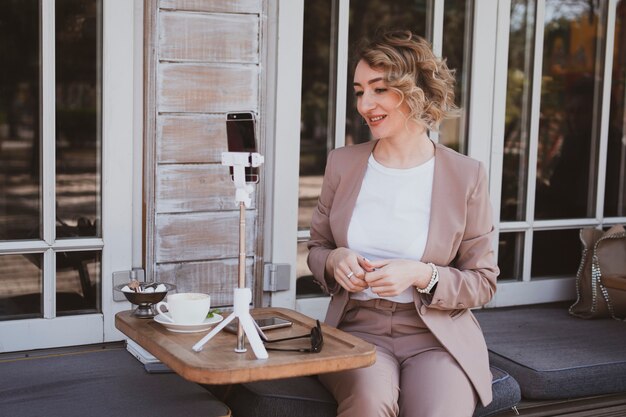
317	341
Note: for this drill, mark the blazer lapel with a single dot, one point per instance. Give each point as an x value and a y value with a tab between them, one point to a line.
350	187
435	245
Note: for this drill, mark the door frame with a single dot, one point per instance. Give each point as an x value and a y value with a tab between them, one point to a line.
122	149
117	112
284	151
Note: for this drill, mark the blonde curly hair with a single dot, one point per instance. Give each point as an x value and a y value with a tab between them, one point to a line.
415	73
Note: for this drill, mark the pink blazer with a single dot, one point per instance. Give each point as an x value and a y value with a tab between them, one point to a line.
459	242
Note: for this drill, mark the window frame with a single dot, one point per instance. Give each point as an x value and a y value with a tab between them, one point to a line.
487	85
284	186
536	289
118	112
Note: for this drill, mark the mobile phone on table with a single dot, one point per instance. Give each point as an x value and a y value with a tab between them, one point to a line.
265	324
272	323
241	136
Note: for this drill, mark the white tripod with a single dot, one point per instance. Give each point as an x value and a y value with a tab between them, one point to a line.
242	295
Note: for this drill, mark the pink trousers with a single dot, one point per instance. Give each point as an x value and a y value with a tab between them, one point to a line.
414	376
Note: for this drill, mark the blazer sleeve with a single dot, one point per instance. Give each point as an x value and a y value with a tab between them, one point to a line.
322	241
470	280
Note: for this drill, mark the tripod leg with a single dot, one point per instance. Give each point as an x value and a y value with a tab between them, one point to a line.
259	331
198	346
253	337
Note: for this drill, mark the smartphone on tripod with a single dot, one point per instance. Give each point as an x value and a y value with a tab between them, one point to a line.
241	135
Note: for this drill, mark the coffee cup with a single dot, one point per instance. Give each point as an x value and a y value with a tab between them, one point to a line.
185	308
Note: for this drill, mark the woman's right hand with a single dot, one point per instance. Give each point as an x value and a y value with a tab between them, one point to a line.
345	266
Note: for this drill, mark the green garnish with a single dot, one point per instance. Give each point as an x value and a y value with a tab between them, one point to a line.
212	312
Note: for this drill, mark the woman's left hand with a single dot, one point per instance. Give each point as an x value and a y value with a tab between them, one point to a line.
391	277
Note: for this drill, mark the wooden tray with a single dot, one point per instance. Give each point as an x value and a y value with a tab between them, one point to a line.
219	364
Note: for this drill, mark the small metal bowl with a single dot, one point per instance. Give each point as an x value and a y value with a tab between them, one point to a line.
145	301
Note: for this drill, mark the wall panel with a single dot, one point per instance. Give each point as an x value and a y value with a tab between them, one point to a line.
206	88
192	37
202	236
203	59
186	188
191	138
218	278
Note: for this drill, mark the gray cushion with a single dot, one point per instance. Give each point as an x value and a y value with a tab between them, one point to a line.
554	355
307	397
506	394
103	382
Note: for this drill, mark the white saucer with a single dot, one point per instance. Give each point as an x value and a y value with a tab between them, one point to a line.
188	328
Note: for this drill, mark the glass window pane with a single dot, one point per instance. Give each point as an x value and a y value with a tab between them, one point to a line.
309	191
21	286
305	286
316	134
78	49
456	49
367	18
556	253
518	106
79	283
511	256
615	189
570	111
20	193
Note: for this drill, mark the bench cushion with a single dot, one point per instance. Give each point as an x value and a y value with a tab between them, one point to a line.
554	355
100	382
506	394
307	397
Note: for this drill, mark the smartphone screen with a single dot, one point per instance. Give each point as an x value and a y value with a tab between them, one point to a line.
265	324
240	132
272	323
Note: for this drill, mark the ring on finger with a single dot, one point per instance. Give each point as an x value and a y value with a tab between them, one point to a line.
350	274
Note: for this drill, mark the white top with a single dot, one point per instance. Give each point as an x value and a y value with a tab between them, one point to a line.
391	217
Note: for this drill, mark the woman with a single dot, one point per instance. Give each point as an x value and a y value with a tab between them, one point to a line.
402	240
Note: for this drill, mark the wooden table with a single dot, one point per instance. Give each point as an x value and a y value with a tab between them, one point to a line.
219	364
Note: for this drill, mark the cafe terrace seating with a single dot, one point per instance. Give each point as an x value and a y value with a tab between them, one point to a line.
108	381
563	365
560	362
554	355
96	381
306	397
